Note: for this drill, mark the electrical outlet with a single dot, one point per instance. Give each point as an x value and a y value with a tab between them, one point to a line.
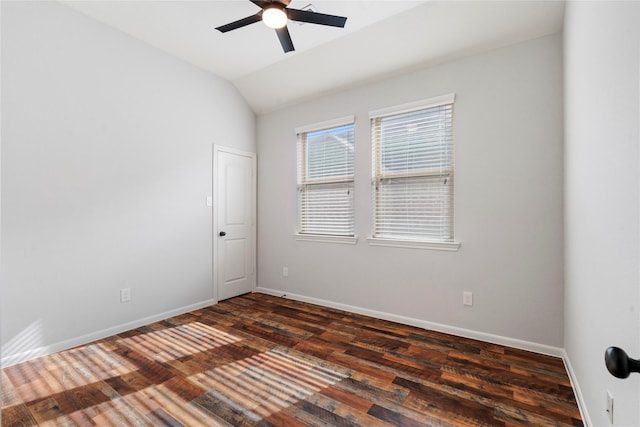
125	295
285	271
467	298
609	406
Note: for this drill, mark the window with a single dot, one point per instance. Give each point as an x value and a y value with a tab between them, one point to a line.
325	178
413	172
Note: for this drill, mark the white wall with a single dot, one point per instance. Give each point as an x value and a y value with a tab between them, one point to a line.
602	247
509	196
106	165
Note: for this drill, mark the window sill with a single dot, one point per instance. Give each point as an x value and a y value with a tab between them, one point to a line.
346	240
414	244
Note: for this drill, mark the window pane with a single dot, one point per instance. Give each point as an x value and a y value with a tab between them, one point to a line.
416	141
330	153
327	209
415	208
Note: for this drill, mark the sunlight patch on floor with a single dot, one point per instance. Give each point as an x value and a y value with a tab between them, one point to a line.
267	382
173	343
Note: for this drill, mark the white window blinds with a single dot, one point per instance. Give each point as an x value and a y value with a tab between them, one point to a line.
325	179
413	171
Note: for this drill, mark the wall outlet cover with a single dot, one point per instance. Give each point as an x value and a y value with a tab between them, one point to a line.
125	295
467	298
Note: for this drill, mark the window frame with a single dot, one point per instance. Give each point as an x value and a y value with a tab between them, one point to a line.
301	152
420	242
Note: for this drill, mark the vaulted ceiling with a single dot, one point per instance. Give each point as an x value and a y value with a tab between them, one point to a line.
380	39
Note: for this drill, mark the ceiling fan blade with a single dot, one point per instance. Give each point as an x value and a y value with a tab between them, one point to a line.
240	23
260	3
285	39
315	17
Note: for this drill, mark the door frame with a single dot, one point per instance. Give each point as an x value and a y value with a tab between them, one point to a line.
214	213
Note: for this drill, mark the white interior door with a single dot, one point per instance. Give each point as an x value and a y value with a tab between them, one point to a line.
234	222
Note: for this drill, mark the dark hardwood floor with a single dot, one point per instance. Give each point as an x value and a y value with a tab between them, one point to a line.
258	360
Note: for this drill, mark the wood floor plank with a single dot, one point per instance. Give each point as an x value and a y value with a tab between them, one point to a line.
8	396
281	418
160	418
365	367
315	347
345	410
233	414
456	417
17	416
447	407
515	416
398	418
83	399
359	404
258	360
48	411
326	416
372	393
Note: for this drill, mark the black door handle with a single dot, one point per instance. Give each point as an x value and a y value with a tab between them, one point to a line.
619	364
222	234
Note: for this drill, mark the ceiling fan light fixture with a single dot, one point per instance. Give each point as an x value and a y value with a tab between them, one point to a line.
274	17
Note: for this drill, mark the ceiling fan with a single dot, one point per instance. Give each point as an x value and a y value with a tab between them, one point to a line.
275	14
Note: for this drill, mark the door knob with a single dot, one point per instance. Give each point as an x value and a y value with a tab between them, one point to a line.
222	234
619	364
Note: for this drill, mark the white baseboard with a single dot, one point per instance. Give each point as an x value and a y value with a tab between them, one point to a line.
586	420
13	359
453	330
